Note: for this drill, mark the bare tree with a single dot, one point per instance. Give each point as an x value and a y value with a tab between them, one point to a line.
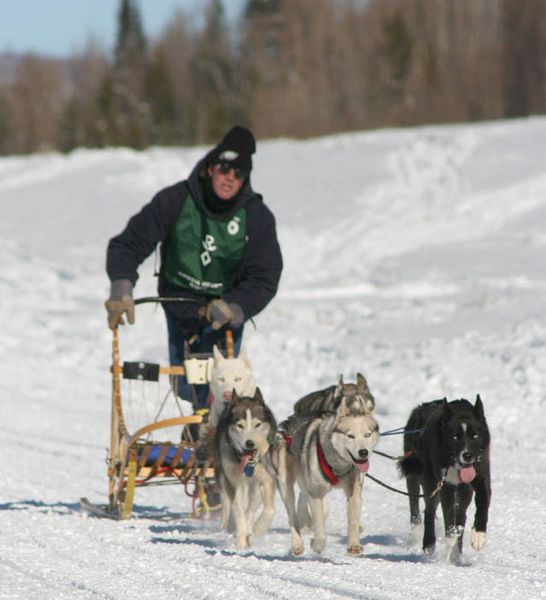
36	102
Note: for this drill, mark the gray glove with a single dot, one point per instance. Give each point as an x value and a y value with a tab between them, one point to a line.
120	301
220	313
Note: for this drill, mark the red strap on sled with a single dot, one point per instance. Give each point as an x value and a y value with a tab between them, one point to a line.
326	469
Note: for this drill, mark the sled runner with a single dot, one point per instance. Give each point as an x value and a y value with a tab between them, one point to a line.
144	457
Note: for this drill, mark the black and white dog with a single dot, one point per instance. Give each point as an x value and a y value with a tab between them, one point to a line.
446	447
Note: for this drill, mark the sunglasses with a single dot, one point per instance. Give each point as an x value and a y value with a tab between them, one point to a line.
225	168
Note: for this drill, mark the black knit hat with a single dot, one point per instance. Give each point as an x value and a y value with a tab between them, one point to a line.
236	149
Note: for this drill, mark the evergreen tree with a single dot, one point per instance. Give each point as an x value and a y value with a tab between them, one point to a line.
260	8
214	75
131	43
5	127
398	46
162	101
124	108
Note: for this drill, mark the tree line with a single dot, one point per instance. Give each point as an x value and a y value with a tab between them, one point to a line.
295	68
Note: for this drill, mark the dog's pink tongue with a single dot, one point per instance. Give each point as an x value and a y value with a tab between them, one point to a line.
467	474
363	466
244	461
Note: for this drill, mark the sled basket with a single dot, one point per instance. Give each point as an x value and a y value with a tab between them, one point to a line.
136	459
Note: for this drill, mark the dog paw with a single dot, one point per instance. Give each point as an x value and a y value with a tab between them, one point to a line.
260	529
477	539
416	521
453	552
297	549
317	544
355	549
429	550
243	542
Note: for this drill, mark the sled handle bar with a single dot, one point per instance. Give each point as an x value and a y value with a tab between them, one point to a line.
160	299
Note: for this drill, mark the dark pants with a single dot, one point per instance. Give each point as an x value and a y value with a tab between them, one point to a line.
203	341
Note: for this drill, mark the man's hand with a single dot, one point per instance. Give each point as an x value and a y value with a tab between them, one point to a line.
120	302
220	313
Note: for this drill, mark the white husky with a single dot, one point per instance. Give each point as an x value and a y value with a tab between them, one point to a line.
228	374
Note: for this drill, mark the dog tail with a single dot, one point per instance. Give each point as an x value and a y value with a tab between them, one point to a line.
410	464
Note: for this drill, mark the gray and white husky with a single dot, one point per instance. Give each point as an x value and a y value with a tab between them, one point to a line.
322	451
243	469
330	398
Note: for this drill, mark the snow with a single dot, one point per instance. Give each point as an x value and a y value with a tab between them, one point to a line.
415	256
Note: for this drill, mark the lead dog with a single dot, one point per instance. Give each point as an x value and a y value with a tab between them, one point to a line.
328	400
242	463
322	451
446	447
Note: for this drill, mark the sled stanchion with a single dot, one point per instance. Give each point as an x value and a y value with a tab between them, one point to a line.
130	486
114	431
230	348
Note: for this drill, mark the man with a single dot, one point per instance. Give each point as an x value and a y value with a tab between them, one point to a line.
219	251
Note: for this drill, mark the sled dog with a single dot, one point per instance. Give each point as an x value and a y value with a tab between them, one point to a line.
330	398
228	374
446	447
245	431
322	451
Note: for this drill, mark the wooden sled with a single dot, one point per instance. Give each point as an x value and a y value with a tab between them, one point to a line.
137	460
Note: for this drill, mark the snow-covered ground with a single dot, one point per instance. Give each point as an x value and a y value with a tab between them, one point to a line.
416	256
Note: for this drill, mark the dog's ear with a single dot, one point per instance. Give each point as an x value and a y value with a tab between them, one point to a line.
361	383
218	357
364	390
258	396
234	396
339	388
478	408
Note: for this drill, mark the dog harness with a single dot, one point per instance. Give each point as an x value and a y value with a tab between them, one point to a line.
325	467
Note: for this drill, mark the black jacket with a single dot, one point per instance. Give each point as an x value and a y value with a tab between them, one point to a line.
257	281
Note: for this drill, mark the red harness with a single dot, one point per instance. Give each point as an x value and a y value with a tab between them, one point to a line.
287	438
326	468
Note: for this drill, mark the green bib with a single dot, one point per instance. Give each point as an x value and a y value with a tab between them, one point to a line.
203	255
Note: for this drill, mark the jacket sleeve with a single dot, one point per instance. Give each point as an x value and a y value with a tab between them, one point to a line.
262	264
143	232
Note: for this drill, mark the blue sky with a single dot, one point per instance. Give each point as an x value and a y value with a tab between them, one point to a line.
62	27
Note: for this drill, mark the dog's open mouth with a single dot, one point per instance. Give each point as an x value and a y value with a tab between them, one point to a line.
467	473
248	462
361	465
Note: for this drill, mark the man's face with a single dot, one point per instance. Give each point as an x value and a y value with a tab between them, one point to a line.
226	182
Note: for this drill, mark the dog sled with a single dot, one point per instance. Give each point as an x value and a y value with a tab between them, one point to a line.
164	450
